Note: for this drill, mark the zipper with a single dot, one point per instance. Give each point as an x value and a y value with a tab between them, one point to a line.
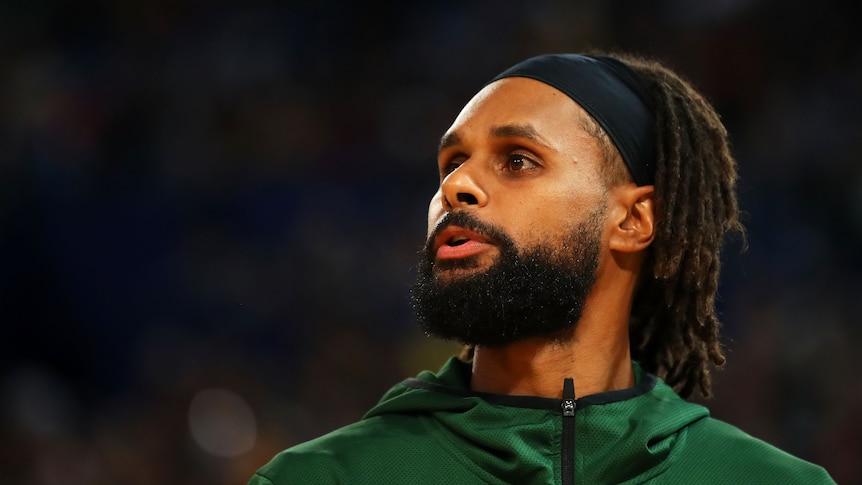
567	443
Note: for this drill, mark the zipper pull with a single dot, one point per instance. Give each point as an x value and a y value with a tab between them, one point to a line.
568	397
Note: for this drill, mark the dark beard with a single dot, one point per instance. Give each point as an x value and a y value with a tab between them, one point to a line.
536	293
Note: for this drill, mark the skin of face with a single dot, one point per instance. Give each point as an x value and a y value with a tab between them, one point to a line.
519	157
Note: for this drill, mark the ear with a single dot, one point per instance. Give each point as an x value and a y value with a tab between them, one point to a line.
633	218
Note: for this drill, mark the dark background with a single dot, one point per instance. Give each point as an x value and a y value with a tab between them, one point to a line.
209	213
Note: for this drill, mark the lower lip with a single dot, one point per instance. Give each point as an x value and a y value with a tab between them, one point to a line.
469	248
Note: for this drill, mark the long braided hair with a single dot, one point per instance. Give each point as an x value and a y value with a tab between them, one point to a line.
674	329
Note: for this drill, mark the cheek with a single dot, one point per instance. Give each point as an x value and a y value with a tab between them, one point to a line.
533	225
435	211
551	219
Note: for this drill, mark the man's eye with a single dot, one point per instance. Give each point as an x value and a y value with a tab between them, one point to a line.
450	167
517	163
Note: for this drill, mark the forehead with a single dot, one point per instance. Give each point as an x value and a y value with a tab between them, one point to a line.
521	101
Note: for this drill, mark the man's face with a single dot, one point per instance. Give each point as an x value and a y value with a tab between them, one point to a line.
518	217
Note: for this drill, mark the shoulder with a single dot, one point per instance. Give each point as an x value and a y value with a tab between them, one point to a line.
348	454
718	452
295	465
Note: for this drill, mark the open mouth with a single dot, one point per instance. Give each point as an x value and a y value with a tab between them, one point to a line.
454	242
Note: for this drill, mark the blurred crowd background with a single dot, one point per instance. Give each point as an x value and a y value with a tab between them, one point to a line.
209	215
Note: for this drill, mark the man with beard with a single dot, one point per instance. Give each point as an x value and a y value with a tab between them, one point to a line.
573	248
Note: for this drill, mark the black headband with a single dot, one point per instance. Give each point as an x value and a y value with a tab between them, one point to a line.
610	92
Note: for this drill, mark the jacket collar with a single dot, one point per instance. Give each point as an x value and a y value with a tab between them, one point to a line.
630	434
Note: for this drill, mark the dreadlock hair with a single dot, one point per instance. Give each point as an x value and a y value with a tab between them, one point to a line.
674	328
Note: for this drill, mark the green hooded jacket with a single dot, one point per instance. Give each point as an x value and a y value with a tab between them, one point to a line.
434	430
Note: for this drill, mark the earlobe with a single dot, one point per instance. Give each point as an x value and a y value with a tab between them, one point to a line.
635	227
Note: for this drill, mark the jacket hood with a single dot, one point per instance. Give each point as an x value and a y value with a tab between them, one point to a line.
625	436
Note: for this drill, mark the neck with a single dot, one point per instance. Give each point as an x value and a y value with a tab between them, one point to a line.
596	356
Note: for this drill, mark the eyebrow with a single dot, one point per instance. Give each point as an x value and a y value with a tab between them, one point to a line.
448	140
502	131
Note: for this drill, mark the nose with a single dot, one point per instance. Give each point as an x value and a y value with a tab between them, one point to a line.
461	188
